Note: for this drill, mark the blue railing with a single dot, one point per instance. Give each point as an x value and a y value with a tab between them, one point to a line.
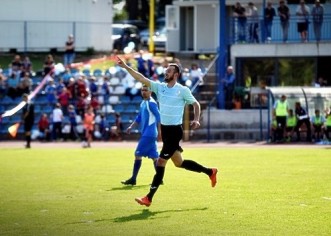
277	32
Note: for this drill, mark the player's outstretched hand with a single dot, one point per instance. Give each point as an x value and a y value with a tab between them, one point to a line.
120	62
195	124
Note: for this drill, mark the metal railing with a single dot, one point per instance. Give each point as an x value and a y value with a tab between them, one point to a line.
276	30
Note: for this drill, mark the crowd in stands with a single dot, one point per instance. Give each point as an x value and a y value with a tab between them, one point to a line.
74	91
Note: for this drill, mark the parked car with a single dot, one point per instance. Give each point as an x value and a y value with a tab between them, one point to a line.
140	24
123	34
144	34
160	40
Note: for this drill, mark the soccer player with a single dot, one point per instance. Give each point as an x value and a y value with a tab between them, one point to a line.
150	129
89	125
172	98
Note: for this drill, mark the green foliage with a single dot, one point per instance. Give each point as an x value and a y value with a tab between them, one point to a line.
261	191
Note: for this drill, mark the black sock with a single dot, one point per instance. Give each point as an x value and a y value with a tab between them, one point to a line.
28	140
156	181
193	166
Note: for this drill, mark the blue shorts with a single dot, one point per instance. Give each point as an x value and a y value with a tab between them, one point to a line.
147	147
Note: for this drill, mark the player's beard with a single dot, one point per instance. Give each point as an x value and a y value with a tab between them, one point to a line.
168	79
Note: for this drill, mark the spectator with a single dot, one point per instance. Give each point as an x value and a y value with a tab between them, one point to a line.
81	103
69	52
3	86
27	81
269	13
26	66
15	67
303	118
43	126
240	14
317	122
73	135
117	128
50	92
317	14
195	76
284	15
59	87
253	23
12	85
302	12
105	91
93	87
228	87
48	65
64	98
57	117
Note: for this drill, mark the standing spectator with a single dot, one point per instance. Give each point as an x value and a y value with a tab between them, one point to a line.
89	125
43	126
240	14
57	117
302	12
284	15
93	87
172	98
81	103
317	122
73	135
280	111
303	118
69	52
150	129
228	87
28	119
48	65
269	13
195	76
253	26
317	13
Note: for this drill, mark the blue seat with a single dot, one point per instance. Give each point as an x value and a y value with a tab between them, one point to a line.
86	72
97	73
125	99
118	107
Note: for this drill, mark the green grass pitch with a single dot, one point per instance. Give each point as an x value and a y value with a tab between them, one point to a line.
260	191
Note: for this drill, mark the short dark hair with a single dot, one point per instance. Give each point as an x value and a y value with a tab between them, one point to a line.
177	68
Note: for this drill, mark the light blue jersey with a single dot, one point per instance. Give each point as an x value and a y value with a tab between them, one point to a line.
172	101
148	118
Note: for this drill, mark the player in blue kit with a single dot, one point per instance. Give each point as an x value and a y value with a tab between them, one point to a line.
150	129
172	98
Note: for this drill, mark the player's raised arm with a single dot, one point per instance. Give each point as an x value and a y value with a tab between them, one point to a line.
135	74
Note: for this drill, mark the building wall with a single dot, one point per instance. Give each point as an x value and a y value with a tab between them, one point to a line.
39	25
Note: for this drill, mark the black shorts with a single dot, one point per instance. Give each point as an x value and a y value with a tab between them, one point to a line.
28	126
302	26
171	136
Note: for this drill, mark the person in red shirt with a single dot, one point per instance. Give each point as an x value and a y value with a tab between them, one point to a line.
43	126
64	98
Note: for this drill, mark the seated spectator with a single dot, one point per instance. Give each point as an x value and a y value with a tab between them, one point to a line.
117	128
93	87
15	67
196	76
43	126
27	66
50	92
317	122
64	98
3	86
48	64
12	85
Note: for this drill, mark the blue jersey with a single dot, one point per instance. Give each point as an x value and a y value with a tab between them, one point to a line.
148	118
172	101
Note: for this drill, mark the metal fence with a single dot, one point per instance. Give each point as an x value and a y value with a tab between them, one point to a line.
277	32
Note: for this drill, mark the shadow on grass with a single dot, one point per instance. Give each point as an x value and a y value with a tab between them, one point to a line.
128	187
146	214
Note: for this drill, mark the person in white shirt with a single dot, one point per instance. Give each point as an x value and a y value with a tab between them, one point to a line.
57	117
